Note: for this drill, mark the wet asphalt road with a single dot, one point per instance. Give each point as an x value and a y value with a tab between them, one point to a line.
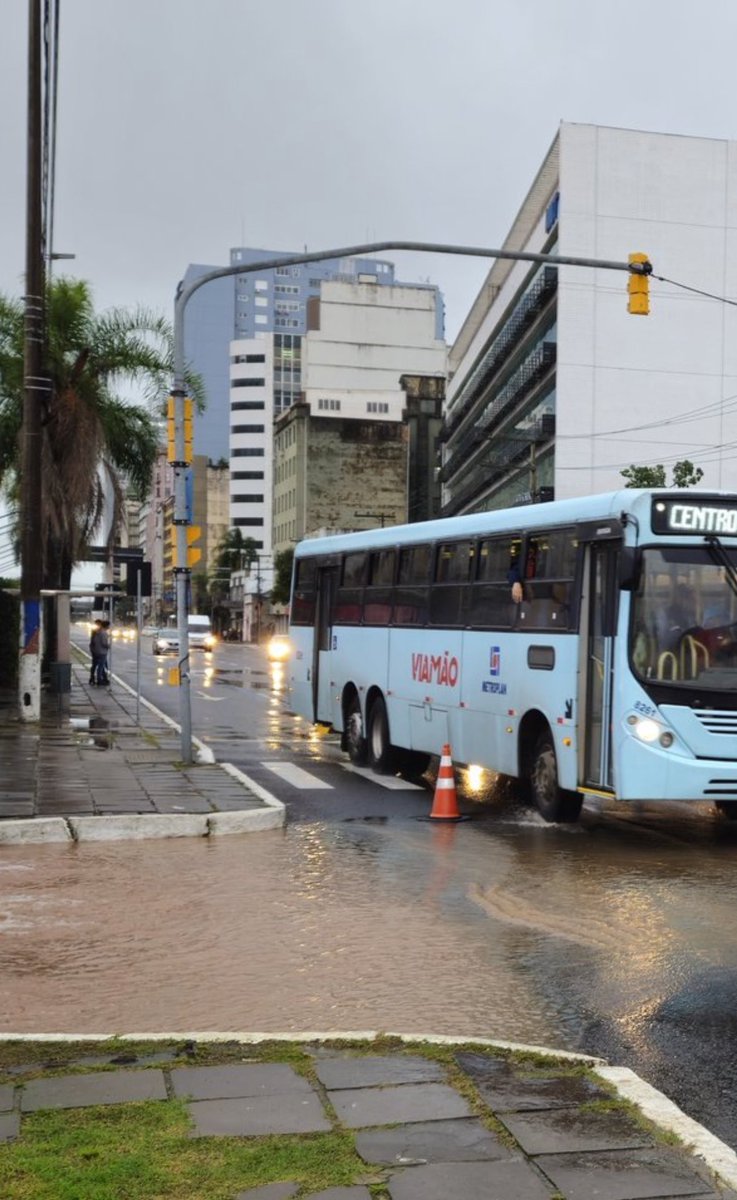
615	937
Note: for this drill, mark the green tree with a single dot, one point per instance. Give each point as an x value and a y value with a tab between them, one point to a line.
644	477
685	475
94	444
235	552
281	590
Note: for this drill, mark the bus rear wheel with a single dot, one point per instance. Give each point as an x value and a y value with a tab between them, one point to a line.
355	739
382	755
553	802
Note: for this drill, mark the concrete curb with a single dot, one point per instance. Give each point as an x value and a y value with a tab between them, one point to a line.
138	826
36	829
717	1155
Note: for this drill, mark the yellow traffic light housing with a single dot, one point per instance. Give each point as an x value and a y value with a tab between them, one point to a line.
638	286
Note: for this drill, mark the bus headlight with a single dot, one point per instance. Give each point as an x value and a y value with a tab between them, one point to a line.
647	730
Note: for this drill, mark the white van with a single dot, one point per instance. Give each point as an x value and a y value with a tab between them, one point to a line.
200	632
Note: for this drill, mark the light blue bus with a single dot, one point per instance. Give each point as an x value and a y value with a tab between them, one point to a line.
584	646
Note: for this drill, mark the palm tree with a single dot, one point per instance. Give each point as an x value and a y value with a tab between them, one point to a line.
94	445
235	552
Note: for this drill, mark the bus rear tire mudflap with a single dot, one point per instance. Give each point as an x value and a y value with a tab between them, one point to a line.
382	756
354	740
553	802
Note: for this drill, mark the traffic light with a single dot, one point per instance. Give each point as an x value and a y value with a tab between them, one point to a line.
194	553
638	287
171	430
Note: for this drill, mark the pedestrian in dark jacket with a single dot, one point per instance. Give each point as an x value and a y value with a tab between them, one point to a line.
99	647
93	652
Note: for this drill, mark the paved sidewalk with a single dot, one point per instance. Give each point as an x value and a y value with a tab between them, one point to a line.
58	780
472	1124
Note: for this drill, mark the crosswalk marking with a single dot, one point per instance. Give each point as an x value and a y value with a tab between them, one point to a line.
392	782
297	777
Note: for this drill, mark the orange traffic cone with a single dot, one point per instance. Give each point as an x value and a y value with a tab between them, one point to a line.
445	800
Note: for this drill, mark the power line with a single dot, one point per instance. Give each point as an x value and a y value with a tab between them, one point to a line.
697	291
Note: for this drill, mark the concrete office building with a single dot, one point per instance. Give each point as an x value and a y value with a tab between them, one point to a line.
554	386
344	451
240	307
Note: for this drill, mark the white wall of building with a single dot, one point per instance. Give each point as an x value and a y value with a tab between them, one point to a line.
368	337
649	389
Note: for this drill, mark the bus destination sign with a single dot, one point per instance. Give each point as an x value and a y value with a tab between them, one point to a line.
686	518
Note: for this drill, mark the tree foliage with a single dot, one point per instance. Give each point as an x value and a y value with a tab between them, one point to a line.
685	475
94	445
235	552
281	590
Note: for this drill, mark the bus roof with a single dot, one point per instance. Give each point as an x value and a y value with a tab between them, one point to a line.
602	506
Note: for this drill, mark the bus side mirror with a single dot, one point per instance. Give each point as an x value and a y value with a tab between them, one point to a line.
629	568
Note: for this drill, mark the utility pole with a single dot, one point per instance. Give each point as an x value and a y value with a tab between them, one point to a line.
35	388
380	516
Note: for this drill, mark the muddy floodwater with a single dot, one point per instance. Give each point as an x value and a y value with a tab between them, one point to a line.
269	932
513	931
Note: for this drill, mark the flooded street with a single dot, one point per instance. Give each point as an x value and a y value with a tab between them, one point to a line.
613	937
500	927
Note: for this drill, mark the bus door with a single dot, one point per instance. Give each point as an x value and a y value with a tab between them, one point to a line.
602	599
327	584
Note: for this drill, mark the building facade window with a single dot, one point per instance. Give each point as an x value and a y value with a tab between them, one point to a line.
247	383
329	405
247	475
242	405
248	498
248	452
247	429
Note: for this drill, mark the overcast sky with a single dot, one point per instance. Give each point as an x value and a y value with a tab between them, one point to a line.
185	127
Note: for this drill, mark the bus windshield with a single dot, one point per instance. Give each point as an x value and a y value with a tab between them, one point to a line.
683	628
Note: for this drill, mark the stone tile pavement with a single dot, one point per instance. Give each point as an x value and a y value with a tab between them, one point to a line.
484	1127
98	772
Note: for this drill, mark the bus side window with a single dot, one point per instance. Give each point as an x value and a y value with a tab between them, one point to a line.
349	596
490	603
377	596
549	575
303	597
413	580
453	569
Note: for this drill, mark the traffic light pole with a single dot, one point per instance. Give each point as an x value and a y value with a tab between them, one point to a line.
184	294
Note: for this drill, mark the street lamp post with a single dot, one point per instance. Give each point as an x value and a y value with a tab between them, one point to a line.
183	296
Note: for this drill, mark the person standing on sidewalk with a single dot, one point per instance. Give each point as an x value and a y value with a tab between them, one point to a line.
93	651
99	647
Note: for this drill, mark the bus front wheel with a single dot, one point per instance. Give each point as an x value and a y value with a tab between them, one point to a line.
355	739
553	802
381	753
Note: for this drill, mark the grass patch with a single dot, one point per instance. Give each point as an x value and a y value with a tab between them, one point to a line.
143	1152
